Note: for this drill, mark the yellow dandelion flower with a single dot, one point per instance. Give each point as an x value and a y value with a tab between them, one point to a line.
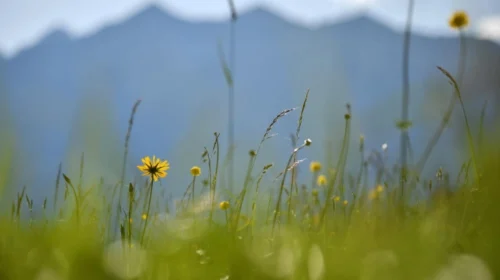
144	216
321	180
346	202
380	188
195	171
336	198
315	166
375	193
155	168
224	205
459	20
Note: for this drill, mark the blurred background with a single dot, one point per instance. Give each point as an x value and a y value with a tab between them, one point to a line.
70	72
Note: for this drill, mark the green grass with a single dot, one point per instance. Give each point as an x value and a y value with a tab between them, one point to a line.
292	229
347	227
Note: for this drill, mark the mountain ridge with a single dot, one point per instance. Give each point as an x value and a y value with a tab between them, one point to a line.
156	12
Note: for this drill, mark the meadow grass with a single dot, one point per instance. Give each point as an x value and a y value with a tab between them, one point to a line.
336	226
328	228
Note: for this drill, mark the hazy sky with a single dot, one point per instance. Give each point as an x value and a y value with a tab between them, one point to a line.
23	22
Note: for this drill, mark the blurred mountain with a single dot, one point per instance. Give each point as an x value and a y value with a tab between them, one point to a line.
174	68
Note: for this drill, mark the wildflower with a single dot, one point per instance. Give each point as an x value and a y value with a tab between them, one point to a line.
315	166
459	20
195	171
321	180
345	202
224	205
336	198
130	220
384	147
155	168
144	216
308	142
252	153
374	193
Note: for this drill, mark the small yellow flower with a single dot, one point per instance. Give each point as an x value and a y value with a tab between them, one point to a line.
375	193
380	188
195	171
321	180
336	198
459	20
144	216
130	220
315	166
346	202
224	205
155	168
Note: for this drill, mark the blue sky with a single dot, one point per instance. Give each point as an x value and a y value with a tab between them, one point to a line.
24	22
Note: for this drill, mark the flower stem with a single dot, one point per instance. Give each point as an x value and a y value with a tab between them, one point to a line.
147	212
130	209
192	192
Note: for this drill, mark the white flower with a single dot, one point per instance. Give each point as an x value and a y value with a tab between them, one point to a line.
384	147
308	142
